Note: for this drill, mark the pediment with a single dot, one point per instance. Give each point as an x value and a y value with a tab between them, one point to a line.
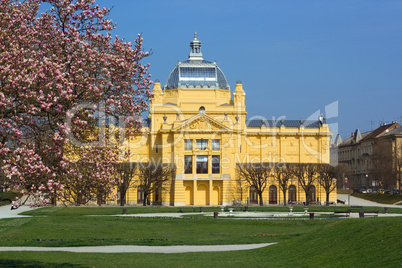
201	123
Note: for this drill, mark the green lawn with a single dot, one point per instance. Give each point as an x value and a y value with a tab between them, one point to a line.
366	242
81	211
380	198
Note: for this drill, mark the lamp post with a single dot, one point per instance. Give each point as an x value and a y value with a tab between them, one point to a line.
367	181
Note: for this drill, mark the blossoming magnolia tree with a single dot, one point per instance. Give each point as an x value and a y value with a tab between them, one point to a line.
51	63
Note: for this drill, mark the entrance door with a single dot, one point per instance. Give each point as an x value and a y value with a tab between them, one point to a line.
273	194
312	194
101	199
215	196
292	193
140	195
202	195
253	195
188	196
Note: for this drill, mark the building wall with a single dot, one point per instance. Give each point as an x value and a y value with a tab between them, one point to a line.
357	152
175	116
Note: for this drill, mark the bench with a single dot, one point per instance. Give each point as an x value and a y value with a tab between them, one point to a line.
345	214
370	213
355	209
186	209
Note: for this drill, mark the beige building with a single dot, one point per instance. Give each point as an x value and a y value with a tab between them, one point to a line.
357	152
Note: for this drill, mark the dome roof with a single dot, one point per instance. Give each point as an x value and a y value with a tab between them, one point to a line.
196	72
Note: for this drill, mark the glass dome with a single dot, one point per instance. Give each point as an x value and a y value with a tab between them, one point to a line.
196	72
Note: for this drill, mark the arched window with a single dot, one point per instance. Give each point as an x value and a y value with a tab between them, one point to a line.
292	193
273	194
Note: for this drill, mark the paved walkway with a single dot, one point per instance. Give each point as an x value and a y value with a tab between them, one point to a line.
142	249
354	201
6	212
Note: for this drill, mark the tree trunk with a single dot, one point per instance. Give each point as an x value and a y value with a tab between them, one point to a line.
122	198
284	198
327	194
144	202
261	201
307	198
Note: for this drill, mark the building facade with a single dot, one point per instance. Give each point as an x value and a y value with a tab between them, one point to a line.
198	124
358	151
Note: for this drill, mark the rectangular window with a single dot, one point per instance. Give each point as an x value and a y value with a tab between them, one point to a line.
202	164
215	145
215	164
188	164
188	145
202	144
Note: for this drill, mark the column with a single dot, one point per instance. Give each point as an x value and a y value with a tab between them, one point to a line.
210	192
194	192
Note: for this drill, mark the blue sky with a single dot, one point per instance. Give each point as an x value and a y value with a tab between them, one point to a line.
293	57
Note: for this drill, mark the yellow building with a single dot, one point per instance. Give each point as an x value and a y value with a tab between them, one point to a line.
197	123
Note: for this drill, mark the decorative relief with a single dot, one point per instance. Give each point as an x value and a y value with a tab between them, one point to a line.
178	144
202	124
169	93
222	94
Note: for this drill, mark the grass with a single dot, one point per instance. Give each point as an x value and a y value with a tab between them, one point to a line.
8	195
96	231
81	211
366	242
380	198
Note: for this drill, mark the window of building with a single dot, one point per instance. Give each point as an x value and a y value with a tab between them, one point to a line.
202	144
188	164
215	164
215	145
202	164
188	145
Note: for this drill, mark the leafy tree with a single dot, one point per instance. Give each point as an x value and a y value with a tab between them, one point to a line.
255	174
50	64
153	177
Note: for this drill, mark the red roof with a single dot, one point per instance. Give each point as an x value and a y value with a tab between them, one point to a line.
375	133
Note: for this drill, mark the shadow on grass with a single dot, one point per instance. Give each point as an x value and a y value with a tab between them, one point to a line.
35	264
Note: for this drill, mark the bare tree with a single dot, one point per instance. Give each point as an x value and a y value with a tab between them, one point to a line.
239	189
397	155
255	174
92	176
342	171
282	174
326	178
382	163
153	177
126	173
306	176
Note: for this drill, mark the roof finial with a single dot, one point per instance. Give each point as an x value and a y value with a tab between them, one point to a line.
195	49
